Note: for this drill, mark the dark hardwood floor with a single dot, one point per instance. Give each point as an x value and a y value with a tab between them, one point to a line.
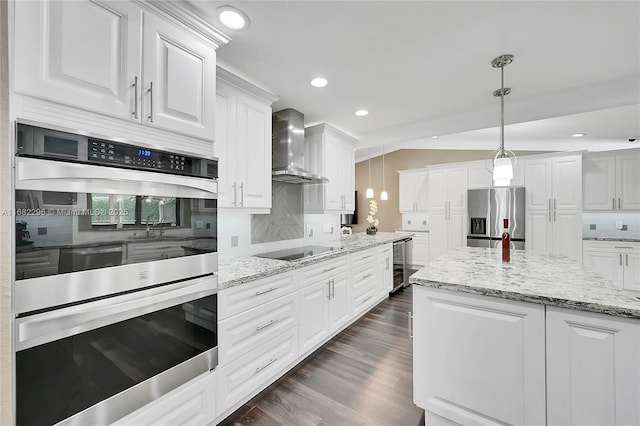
363	376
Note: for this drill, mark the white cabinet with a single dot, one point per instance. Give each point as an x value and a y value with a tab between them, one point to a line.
135	65
420	249
554	205
447	187
193	403
330	153
615	261
37	263
385	266
593	368
610	181
413	190
324	300
243	144
446	231
364	280
478	360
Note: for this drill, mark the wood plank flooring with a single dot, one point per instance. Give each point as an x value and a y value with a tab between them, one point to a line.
363	376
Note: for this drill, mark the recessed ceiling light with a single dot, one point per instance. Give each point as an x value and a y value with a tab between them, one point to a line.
319	82
233	18
578	135
434	137
361	112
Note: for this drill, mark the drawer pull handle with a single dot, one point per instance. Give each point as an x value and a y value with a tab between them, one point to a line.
365	276
270	323
329	269
623	247
410	325
366	257
258	293
271	361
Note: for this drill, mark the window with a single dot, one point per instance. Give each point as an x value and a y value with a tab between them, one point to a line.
129	210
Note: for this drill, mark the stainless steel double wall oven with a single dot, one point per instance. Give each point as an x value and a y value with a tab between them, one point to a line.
115	275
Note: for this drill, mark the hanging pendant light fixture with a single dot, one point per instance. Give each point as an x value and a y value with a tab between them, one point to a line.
369	193
502	164
383	195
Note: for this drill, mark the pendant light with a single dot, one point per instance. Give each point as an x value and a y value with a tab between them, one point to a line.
502	165
383	195
369	193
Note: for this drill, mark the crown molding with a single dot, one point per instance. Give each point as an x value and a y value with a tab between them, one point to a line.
244	84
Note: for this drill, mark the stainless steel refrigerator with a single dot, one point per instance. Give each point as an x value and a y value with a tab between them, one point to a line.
487	208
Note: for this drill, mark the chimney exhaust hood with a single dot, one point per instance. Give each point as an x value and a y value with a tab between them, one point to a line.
288	149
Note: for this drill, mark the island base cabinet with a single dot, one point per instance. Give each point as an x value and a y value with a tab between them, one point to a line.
478	360
593	369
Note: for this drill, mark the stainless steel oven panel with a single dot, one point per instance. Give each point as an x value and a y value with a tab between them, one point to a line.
49	326
45	292
128	401
46	175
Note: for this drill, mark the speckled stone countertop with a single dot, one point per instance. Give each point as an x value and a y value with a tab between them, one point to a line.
538	278
626	240
250	268
412	230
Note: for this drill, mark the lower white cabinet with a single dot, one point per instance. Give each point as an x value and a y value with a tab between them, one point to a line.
250	373
478	360
193	403
385	275
593	369
420	249
615	261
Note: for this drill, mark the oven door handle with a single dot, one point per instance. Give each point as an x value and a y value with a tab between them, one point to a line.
37	329
47	175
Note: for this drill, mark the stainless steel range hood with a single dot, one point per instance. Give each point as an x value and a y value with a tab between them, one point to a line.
288	149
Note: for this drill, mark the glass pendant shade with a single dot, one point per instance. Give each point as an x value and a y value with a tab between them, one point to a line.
502	171
384	196
369	193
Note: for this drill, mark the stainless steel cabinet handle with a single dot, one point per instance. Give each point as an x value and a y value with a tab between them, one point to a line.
613	201
365	276
623	247
387	264
410	325
328	269
333	289
258	293
549	209
151	102
329	289
620	259
235	194
618	203
242	195
626	259
366	257
270	323
135	97
271	361
367	298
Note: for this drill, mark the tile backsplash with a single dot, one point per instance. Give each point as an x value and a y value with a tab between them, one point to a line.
415	221
596	224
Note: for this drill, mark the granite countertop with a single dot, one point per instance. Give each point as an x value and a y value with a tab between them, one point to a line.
538	278
250	268
626	240
411	230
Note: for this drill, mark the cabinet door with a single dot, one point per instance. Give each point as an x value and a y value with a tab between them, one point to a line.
438	234
632	271
420	245
457	188
567	234
599	183
421	190
437	188
339	308
225	146
627	180
606	264
313	321
593	366
406	194
253	165
179	79
537	174
538	233
84	54
479	175
567	182
386	269
456	229
332	191
346	177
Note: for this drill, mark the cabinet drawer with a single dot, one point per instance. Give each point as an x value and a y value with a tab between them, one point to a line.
365	299
362	257
324	270
251	329
385	250
363	278
249	373
237	299
37	263
610	245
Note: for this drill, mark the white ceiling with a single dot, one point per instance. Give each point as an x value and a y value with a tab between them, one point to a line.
422	68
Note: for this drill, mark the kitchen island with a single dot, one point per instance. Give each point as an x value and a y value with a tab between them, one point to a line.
538	340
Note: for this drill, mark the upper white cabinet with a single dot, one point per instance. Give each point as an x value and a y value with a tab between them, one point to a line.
243	144
135	65
330	153
610	181
554	205
413	190
447	187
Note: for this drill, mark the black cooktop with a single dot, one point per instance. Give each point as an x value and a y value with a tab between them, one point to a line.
296	253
